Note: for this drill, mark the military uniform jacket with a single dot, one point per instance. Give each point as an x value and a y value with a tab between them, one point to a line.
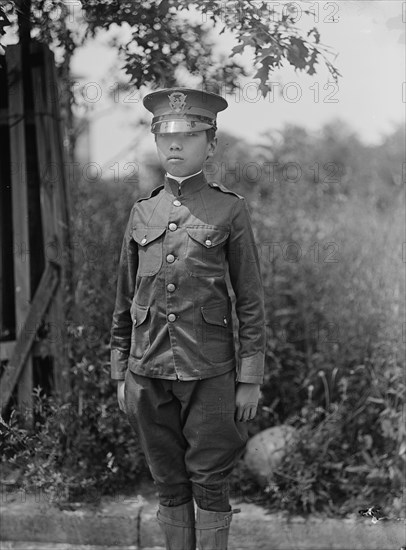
172	316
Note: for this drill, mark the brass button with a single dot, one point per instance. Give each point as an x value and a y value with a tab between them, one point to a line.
171	317
173	227
225	321
170	287
176	202
170	258
144	240
207	242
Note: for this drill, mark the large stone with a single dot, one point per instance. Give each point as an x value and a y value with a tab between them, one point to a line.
265	451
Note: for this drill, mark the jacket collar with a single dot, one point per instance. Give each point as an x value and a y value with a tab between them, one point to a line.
187	187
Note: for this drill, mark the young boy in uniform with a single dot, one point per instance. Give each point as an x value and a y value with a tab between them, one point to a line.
172	345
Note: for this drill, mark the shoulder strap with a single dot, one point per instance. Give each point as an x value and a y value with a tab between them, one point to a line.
224	189
152	194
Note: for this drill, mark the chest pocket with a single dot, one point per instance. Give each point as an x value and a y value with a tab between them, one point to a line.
205	255
150	249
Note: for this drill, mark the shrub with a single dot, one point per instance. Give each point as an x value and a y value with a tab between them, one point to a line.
331	263
81	445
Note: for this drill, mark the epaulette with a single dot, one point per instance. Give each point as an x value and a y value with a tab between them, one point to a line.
152	194
224	189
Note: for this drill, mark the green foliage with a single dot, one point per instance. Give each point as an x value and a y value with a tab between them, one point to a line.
164	39
81	445
271	32
350	453
330	244
334	328
4	21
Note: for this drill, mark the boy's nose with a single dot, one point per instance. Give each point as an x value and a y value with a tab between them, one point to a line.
175	145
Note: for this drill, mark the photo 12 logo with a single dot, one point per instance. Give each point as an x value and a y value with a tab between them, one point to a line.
291	172
274	12
290	92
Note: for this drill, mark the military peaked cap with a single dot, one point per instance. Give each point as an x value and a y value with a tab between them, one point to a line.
183	110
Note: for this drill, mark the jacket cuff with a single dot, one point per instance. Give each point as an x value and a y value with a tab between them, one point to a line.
118	361
251	369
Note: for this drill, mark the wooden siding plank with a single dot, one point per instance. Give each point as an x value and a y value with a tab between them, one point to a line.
53	193
46	168
20	213
6	350
39	306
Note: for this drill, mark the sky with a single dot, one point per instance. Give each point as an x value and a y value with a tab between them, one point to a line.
369	40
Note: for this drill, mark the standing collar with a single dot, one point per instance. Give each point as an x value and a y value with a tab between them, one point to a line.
189	185
181	178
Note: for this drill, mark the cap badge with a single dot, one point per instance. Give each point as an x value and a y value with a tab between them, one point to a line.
177	102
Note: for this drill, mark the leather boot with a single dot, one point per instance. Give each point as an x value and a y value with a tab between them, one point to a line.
212	529
178	526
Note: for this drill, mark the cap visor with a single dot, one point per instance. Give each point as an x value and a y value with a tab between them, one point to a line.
176	126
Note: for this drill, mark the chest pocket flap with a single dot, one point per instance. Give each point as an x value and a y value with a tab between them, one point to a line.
150	246
207	235
145	235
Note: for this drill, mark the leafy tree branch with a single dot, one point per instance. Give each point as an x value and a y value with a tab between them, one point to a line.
164	38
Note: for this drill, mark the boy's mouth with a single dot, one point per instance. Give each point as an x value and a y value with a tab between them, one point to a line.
173	157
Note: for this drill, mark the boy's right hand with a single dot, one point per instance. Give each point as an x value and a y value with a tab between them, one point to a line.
120	395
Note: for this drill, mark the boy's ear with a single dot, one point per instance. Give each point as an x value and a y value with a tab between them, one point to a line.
212	147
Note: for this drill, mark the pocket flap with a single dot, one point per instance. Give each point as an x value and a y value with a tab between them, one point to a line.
216	315
138	314
208	236
145	235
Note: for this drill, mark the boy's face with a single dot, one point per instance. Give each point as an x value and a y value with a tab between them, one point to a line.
184	153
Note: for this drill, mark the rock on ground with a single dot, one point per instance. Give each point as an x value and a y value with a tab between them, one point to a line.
265	451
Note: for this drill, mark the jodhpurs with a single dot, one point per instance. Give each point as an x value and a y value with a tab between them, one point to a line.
189	435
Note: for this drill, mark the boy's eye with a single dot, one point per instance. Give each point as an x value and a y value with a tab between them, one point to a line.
190	134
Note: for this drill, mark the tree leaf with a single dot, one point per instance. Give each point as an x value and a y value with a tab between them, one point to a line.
239	48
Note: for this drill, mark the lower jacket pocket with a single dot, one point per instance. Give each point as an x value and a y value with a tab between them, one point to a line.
217	333
140	332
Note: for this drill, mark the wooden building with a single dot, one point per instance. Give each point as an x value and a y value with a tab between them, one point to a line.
35	254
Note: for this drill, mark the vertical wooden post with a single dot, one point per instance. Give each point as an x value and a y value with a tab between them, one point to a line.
61	215
53	205
3	185
2	247
62	205
21	239
40	210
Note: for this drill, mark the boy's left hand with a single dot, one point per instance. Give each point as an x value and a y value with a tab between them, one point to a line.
246	401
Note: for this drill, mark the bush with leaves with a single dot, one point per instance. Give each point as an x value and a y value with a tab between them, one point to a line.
162	37
332	268
350	454
334	331
77	450
81	445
